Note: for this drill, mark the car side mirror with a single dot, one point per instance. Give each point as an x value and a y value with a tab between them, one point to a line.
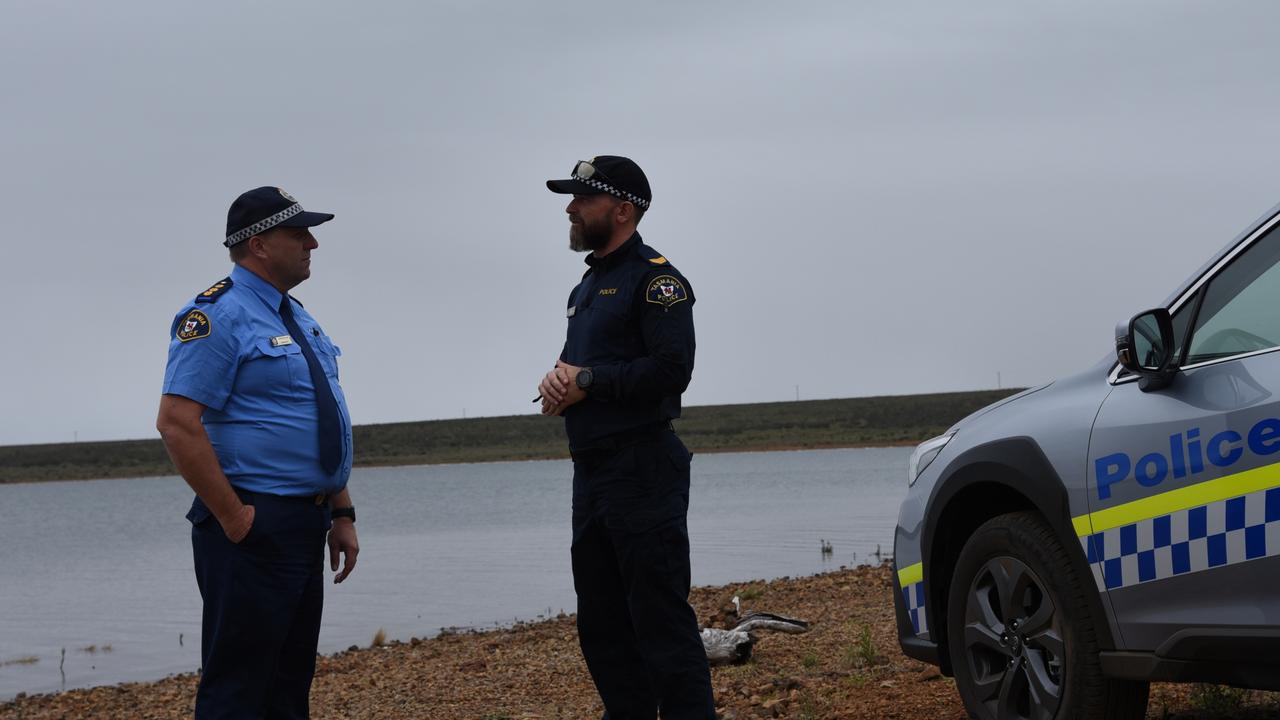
1144	346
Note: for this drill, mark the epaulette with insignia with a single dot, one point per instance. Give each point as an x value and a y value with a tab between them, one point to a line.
652	255
215	292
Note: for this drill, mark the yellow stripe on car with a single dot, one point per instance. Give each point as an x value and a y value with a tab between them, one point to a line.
1223	488
911	575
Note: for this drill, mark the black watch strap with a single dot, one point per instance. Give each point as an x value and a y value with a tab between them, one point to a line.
346	512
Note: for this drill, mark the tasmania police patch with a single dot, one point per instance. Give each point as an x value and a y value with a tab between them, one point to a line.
194	326
665	290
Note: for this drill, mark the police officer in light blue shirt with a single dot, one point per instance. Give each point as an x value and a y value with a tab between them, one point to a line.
254	418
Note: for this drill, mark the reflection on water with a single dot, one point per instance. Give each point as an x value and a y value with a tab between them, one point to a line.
99	587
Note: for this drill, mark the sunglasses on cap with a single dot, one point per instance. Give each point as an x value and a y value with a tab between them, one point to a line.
585	171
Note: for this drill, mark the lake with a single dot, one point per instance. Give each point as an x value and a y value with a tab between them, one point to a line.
102	568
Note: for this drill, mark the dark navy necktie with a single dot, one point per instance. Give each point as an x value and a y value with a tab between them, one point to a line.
326	403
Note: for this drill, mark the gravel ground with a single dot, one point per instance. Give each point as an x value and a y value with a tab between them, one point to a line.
847	666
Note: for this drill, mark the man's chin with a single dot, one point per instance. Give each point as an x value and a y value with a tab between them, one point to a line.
581	240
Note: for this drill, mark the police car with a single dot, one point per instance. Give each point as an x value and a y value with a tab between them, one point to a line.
1062	548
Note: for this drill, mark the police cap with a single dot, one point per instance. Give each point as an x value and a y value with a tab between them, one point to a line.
612	174
261	209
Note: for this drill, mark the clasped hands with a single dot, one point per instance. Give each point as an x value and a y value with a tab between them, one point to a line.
560	389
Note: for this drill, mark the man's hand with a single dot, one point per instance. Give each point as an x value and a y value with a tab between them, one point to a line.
342	539
554	387
566	385
188	445
238	525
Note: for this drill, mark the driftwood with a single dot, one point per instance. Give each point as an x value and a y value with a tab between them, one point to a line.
733	646
727	647
769	621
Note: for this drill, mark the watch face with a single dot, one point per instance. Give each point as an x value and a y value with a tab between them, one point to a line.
584	379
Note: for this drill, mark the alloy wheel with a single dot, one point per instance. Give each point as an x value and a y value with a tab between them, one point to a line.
1013	642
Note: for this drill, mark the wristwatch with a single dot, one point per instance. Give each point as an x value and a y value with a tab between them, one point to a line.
585	378
346	512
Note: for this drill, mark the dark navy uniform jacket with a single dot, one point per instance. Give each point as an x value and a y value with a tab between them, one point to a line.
631	322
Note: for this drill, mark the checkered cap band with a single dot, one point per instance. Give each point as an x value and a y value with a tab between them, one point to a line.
606	187
263	225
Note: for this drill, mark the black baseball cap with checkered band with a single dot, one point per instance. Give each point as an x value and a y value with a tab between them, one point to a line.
261	209
613	174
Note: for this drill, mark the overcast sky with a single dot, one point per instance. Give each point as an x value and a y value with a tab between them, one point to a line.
868	198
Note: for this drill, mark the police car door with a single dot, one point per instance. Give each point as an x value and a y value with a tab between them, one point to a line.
1184	523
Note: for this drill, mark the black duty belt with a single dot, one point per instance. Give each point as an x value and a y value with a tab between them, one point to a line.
622	439
317	499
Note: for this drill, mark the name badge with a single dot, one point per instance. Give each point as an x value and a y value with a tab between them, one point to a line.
281	340
571	311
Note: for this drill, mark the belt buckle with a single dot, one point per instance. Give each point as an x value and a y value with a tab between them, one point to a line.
320	499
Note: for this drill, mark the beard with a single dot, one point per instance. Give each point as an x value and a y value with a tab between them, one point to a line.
586	237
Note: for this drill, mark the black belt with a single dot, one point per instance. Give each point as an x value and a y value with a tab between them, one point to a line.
622	439
317	499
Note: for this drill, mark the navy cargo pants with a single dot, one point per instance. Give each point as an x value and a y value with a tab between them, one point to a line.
631	573
262	603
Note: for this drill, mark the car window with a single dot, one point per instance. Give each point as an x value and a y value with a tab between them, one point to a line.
1240	312
1182	322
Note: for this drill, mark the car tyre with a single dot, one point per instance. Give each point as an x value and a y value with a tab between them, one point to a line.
1022	637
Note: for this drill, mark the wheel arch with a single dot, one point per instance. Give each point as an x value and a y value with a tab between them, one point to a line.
984	482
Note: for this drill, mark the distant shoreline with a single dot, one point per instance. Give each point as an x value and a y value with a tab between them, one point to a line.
885	421
564	456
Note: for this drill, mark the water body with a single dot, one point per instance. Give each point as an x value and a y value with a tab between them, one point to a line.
102	568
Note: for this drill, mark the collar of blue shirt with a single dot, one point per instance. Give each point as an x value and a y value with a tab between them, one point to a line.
263	289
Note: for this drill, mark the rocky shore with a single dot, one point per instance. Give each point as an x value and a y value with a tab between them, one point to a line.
847	666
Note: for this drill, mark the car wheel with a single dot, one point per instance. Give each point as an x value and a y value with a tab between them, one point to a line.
1022	638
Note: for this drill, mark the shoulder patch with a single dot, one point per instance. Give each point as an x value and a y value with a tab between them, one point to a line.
665	290
194	326
215	292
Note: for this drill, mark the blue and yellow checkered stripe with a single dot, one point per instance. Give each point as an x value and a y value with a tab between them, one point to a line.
911	582
1222	522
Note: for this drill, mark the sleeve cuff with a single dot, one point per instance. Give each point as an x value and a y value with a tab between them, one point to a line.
201	395
604	382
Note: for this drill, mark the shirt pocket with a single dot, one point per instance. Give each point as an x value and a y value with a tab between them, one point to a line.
598	333
274	368
328	353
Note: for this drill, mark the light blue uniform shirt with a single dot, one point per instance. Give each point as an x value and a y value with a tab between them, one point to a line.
229	351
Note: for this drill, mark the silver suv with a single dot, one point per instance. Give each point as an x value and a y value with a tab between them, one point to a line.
1063	547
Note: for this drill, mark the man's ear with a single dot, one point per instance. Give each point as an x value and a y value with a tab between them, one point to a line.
624	213
256	245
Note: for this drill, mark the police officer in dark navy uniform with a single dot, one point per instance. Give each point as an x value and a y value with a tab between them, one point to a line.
626	361
255	421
